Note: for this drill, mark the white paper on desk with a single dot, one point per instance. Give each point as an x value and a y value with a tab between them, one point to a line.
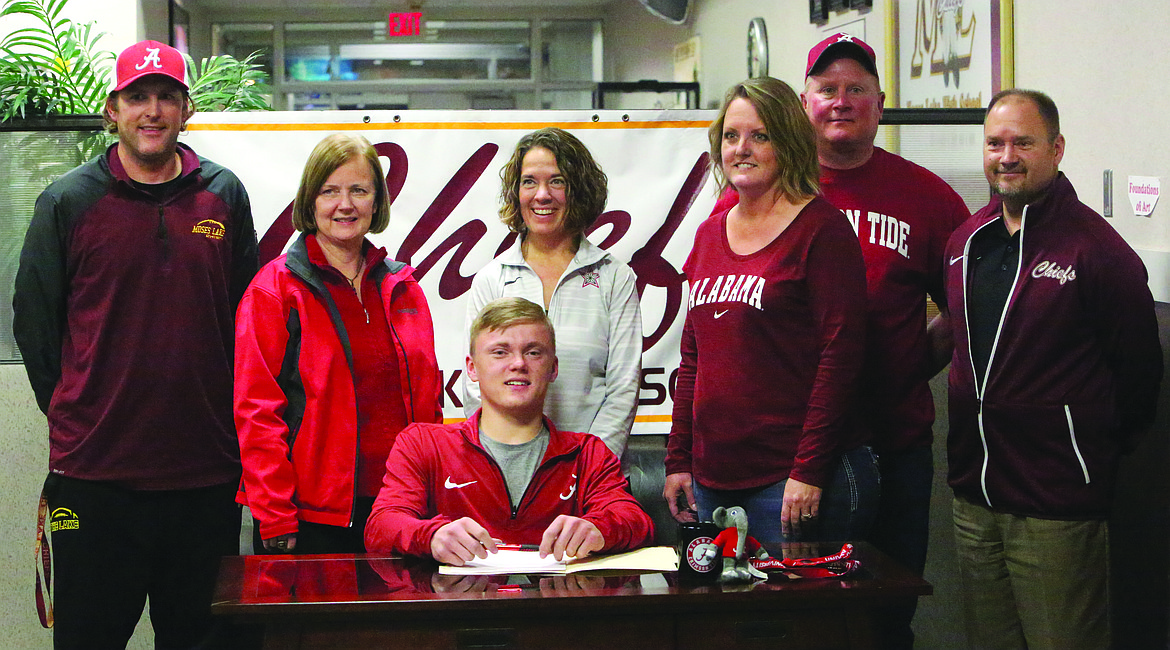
654	558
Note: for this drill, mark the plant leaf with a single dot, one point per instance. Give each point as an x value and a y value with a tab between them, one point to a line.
59	67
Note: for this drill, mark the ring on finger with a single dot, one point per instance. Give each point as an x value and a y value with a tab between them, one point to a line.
806	516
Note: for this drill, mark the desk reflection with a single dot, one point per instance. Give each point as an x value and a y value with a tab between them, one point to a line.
327	578
351	601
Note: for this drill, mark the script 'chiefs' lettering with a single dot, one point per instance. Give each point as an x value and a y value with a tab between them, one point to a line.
748	289
1049	269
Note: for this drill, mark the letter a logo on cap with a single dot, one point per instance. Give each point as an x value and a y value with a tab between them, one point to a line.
151	58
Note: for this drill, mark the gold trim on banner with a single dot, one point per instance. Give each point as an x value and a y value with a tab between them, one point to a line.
477	126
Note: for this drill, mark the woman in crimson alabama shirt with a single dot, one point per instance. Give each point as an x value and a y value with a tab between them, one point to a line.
773	341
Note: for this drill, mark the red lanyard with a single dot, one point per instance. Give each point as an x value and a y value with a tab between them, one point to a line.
44	566
829	566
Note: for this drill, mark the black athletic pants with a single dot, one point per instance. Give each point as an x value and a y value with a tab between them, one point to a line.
112	548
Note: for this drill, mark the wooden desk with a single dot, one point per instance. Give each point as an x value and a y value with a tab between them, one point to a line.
369	601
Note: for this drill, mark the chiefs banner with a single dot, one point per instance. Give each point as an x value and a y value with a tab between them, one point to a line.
442	169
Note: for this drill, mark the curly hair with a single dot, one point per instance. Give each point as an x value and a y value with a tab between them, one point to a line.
329	154
790	133
586	190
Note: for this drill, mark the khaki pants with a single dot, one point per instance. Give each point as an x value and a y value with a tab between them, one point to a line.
1035	584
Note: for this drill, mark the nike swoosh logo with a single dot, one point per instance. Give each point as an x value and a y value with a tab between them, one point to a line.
956	259
507	282
720	313
451	485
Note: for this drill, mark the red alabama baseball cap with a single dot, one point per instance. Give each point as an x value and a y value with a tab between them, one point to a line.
147	58
837	46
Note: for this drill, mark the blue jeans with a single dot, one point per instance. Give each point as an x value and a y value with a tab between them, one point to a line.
849	503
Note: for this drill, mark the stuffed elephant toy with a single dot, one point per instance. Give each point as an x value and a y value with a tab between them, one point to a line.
737	546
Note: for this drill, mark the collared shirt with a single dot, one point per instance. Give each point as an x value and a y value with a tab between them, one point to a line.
994	261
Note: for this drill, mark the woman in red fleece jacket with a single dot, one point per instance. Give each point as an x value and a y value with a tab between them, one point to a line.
335	355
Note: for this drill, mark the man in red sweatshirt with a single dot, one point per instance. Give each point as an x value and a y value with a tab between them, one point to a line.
453	492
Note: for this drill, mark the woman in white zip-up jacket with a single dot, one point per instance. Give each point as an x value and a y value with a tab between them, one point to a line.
552	192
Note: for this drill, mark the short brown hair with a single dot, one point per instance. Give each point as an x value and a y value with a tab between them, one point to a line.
329	154
586	190
111	126
1044	105
502	313
789	131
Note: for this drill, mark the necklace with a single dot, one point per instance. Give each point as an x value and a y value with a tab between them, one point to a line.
361	265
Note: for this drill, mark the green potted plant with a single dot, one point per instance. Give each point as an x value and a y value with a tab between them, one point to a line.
54	80
224	83
53	67
56	67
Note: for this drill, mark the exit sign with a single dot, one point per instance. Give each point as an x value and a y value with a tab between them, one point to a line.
404	23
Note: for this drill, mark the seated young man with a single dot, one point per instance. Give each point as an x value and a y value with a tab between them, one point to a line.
506	474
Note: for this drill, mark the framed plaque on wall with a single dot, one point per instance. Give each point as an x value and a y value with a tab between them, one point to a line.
951	53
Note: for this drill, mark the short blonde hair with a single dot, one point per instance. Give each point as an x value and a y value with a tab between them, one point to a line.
790	133
502	313
587	185
329	154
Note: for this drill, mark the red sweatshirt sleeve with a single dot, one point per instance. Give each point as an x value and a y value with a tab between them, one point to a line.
836	281
607	503
269	479
678	444
399	522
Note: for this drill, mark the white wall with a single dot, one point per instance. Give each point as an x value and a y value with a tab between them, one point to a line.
722	26
638	44
1101	63
24	446
630	29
